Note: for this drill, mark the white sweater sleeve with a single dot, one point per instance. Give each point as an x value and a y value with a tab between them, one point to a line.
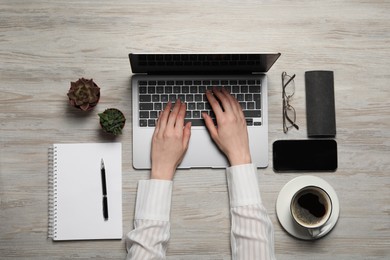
149	238
252	235
251	228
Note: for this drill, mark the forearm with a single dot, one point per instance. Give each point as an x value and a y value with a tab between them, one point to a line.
148	239
251	229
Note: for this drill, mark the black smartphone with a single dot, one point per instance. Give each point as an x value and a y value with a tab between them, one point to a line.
305	155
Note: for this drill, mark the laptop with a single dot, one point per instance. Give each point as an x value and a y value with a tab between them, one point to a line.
162	77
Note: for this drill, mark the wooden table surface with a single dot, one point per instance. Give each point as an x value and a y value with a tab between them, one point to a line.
44	45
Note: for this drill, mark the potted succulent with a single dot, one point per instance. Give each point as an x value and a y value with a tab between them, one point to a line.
84	94
112	121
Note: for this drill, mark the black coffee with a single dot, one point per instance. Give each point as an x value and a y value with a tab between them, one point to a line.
312	203
310	207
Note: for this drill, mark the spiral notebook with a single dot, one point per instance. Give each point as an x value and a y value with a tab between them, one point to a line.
76	194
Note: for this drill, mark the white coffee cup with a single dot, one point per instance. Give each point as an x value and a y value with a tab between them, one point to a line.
311	208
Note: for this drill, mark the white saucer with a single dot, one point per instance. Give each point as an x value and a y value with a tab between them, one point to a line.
284	200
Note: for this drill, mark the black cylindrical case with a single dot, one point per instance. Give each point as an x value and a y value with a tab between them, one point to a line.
320	104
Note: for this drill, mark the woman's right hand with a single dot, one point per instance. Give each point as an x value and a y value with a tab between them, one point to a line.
231	134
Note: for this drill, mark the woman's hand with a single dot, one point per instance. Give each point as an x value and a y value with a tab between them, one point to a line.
170	141
231	134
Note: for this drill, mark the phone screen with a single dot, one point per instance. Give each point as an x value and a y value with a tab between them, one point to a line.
305	155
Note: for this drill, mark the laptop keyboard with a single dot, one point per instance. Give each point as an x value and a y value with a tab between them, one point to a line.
155	94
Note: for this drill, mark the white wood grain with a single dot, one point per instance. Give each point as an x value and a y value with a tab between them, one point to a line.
46	44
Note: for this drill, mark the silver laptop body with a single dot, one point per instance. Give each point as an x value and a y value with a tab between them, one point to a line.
156	74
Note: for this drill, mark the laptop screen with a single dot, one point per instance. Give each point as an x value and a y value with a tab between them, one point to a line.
202	63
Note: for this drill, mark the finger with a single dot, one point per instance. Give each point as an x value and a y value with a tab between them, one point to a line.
173	115
186	135
185	139
214	103
162	121
235	105
232	100
157	127
228	96
210	126
180	117
224	100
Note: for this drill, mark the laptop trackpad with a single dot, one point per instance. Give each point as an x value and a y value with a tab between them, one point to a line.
202	152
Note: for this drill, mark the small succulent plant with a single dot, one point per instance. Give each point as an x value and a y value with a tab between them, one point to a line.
112	121
84	94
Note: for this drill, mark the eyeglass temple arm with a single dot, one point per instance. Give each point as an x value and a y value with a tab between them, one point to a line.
292	123
285	85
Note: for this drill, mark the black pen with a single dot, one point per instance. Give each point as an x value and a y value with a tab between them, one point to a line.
105	202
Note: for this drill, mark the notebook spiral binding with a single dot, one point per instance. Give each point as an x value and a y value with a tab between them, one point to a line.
53	200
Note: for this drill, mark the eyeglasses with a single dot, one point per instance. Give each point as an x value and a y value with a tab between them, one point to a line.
289	115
